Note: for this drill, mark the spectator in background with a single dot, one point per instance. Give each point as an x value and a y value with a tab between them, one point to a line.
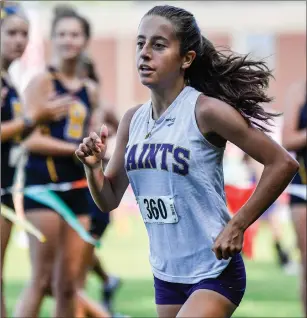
52	160
15	122
294	140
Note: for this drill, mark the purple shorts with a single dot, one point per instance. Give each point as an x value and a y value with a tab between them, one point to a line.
231	284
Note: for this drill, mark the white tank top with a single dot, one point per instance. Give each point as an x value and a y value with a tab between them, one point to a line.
177	178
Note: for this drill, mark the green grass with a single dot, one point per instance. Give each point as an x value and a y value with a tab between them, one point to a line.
270	293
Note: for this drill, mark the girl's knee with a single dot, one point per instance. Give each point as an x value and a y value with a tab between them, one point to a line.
41	281
65	289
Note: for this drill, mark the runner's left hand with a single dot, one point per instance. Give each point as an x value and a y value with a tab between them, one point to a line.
229	242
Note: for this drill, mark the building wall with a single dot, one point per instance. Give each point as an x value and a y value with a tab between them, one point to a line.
290	63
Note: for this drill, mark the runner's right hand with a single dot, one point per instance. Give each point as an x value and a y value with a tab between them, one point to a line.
93	148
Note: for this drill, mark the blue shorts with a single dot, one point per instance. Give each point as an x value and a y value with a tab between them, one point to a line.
99	220
98	228
7	200
293	198
231	284
75	199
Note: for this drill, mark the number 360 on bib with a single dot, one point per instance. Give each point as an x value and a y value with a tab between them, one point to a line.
160	209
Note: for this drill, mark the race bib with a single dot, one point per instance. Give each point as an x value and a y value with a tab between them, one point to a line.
159	209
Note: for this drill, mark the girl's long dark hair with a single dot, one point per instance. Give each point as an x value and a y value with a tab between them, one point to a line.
237	80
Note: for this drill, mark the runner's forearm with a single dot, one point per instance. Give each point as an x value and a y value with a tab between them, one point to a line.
101	189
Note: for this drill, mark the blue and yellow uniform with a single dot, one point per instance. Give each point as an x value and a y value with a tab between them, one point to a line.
72	128
301	156
10	108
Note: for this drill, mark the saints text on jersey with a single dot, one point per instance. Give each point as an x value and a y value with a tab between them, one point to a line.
164	156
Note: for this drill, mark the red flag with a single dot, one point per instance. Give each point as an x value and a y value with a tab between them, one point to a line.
236	197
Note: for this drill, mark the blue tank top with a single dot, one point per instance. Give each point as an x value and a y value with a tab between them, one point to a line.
11	108
301	155
177	178
72	128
